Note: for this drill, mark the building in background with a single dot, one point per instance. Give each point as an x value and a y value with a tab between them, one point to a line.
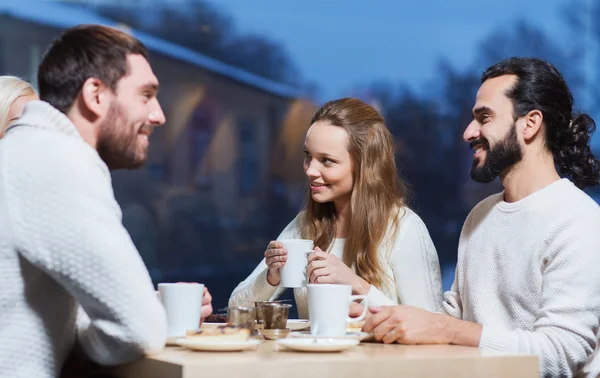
218	184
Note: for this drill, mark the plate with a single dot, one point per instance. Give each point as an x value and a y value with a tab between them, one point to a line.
348	336
218	346
317	344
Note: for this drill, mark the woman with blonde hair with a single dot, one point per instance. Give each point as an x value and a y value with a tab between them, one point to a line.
356	214
14	94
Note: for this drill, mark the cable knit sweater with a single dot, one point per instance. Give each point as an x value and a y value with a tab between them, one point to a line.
63	248
528	272
410	260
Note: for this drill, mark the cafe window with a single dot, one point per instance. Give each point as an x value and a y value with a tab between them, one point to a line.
2	57
248	164
35	58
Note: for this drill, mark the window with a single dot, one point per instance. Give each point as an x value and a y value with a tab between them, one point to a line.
35	58
248	164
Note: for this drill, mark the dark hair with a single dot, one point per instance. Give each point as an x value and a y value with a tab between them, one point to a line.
540	86
82	52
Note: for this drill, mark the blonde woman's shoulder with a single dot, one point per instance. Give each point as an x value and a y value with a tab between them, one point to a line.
292	230
408	218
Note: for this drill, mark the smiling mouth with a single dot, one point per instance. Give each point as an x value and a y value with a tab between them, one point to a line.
317	184
479	148
146	131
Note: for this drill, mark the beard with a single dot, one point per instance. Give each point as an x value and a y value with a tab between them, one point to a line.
505	154
117	140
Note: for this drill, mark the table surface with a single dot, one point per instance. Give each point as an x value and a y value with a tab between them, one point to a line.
365	360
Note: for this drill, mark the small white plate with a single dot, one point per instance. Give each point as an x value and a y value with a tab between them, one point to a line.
218	346
318	344
349	336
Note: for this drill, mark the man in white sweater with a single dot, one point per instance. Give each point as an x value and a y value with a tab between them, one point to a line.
527	274
70	274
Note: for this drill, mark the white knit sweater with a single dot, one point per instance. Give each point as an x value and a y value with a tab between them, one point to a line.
63	247
528	271
410	260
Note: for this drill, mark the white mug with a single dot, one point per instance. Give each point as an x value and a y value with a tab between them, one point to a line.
183	305
328	308
293	273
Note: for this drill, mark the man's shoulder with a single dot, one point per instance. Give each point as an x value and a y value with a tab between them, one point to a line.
568	203
39	159
486	204
42	150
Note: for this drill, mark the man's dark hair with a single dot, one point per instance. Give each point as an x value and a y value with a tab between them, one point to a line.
82	52
540	86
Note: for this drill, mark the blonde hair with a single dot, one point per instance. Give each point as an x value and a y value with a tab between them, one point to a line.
378	196
11	88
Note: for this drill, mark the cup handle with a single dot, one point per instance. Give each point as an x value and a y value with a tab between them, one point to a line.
364	312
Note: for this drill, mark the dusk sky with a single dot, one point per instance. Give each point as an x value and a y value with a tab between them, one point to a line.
340	43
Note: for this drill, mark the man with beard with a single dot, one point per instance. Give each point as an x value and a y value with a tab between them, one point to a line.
70	274
527	273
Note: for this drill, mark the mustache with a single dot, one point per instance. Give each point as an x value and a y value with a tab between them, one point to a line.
483	141
149	129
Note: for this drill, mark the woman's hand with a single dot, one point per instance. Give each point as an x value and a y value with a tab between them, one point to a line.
275	258
206	304
325	268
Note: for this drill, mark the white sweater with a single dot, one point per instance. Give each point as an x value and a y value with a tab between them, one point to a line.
528	271
62	245
411	262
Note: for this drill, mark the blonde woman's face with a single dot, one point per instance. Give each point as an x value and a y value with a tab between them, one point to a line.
327	164
16	108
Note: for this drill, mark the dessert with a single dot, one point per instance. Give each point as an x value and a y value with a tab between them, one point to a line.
355	327
216	318
225	334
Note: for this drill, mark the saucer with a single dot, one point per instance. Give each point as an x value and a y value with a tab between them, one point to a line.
348	336
218	346
317	344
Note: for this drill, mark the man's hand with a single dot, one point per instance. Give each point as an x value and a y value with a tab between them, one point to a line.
412	325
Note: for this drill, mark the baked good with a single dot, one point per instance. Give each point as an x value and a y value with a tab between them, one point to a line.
216	318
218	334
355	327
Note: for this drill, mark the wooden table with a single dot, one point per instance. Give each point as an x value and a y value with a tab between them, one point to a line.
366	360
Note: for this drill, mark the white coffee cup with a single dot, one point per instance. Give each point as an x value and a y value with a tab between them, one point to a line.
328	308
183	305
293	273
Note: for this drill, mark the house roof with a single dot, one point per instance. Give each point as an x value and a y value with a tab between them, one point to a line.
64	16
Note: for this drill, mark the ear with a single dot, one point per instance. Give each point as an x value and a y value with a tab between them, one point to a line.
95	96
533	124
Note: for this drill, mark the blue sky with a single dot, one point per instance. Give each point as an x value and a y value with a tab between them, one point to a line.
341	43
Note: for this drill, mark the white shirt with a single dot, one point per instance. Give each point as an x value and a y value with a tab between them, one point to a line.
411	261
528	272
63	248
